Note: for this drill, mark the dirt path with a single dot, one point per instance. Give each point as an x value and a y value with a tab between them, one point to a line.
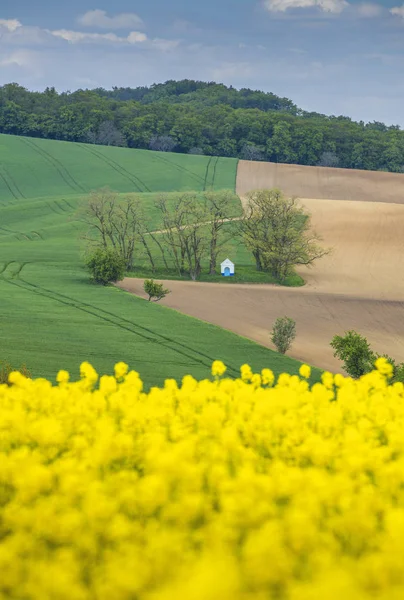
359	286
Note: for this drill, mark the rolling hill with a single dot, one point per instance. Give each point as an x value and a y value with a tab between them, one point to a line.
360	215
52	317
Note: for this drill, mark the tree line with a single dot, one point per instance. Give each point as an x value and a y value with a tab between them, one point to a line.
194	229
202	118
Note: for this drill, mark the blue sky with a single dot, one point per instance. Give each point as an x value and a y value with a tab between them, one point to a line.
331	56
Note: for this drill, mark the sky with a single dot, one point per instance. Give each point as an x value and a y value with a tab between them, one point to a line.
339	57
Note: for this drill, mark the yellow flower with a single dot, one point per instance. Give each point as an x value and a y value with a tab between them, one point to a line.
305	371
327	379
218	368
88	372
121	370
63	377
268	377
253	490
384	367
246	372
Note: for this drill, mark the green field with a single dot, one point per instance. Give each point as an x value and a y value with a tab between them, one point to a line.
52	317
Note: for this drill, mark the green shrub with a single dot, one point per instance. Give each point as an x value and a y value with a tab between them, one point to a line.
106	266
155	290
283	333
355	352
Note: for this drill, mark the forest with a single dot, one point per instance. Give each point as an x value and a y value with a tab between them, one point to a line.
202	118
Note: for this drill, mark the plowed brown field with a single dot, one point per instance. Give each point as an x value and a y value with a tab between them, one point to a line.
359	286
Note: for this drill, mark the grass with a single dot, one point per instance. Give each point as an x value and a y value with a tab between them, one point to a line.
52	317
244	274
33	168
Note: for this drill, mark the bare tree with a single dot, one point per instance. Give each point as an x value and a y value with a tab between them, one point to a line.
90	137
328	159
277	232
109	135
113	222
251	152
219	208
198	151
162	143
185	232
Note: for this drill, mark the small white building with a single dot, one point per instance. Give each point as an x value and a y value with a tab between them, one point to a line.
227	268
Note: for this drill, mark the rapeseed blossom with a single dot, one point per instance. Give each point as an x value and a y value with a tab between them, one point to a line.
218	368
248	489
305	371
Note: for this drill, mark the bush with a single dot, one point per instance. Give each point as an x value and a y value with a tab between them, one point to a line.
355	352
106	266
155	290
359	358
283	334
6	368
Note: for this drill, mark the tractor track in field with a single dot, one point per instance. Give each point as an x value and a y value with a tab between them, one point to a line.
16	234
8	186
54	204
213	161
56	164
214	171
7	178
14	184
68	204
165	160
118	168
108	317
207	173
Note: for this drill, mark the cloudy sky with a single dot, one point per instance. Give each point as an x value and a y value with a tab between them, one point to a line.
332	56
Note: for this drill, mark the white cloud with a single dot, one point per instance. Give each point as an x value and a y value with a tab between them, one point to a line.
20	58
328	6
135	37
398	11
74	37
10	24
369	10
100	19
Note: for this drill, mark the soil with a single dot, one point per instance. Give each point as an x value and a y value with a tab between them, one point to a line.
360	285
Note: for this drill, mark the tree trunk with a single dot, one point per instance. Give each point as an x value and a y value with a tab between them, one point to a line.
148	252
258	262
213	255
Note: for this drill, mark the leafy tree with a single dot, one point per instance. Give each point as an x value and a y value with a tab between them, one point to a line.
155	291
277	232
355	352
181	115
106	266
283	334
280	146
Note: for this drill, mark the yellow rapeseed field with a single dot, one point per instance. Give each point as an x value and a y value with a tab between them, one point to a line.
213	490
